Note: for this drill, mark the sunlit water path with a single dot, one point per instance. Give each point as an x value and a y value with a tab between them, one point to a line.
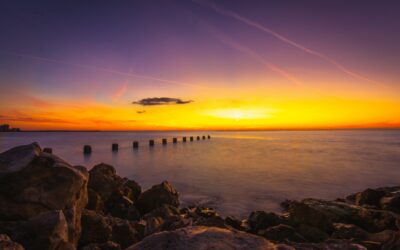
238	172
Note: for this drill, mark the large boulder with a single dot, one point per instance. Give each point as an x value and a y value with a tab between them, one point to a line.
33	182
197	238
259	220
156	196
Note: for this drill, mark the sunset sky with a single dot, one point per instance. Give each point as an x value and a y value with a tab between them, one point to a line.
175	64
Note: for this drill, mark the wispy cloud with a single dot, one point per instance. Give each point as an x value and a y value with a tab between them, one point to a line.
284	39
89	67
249	52
161	101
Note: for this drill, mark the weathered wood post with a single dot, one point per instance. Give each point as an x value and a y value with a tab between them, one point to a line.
114	147
135	144
164	141
48	150
184	139
174	140
204	137
191	138
151	143
87	149
198	138
208	137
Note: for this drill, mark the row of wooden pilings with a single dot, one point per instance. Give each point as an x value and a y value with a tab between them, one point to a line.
87	149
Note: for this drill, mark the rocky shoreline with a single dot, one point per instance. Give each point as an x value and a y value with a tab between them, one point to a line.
45	203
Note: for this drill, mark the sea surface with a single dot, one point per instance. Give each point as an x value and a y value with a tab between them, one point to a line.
238	172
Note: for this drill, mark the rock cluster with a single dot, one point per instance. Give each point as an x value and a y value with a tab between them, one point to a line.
45	203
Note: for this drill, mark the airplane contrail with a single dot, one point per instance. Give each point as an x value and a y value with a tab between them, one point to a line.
105	70
235	45
284	39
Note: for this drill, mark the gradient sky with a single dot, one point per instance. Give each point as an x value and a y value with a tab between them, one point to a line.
243	64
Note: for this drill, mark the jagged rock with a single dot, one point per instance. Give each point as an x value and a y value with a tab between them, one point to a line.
156	196
111	194
95	228
322	214
132	190
104	180
234	223
48	230
33	182
95	202
124	233
203	216
391	203
311	234
259	220
7	244
281	233
196	238
109	245
369	197
329	245
349	231
163	218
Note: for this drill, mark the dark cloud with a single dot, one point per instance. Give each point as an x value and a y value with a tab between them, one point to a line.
161	101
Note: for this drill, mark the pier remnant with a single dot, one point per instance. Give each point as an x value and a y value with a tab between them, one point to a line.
184	139
198	138
164	141
48	150
151	143
208	137
114	147
174	140
191	138
87	149
204	137
135	144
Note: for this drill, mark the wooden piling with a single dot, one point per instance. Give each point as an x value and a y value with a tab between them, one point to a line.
164	141
87	149
114	147
174	140
184	139
208	137
198	138
204	137
151	143
191	138
135	144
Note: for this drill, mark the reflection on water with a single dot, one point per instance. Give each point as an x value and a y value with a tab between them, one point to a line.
238	172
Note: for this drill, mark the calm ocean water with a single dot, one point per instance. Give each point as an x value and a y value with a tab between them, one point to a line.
239	172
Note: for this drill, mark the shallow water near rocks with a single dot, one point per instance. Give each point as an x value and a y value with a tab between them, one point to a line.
238	172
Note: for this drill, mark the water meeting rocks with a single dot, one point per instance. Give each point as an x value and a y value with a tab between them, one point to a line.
33	182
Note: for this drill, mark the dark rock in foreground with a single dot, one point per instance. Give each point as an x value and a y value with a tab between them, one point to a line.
205	238
33	182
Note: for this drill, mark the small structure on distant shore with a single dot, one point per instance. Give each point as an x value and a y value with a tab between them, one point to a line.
7	128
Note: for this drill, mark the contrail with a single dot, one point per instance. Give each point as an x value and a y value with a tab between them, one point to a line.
235	45
105	70
284	39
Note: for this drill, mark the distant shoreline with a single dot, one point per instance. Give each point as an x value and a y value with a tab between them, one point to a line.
215	130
